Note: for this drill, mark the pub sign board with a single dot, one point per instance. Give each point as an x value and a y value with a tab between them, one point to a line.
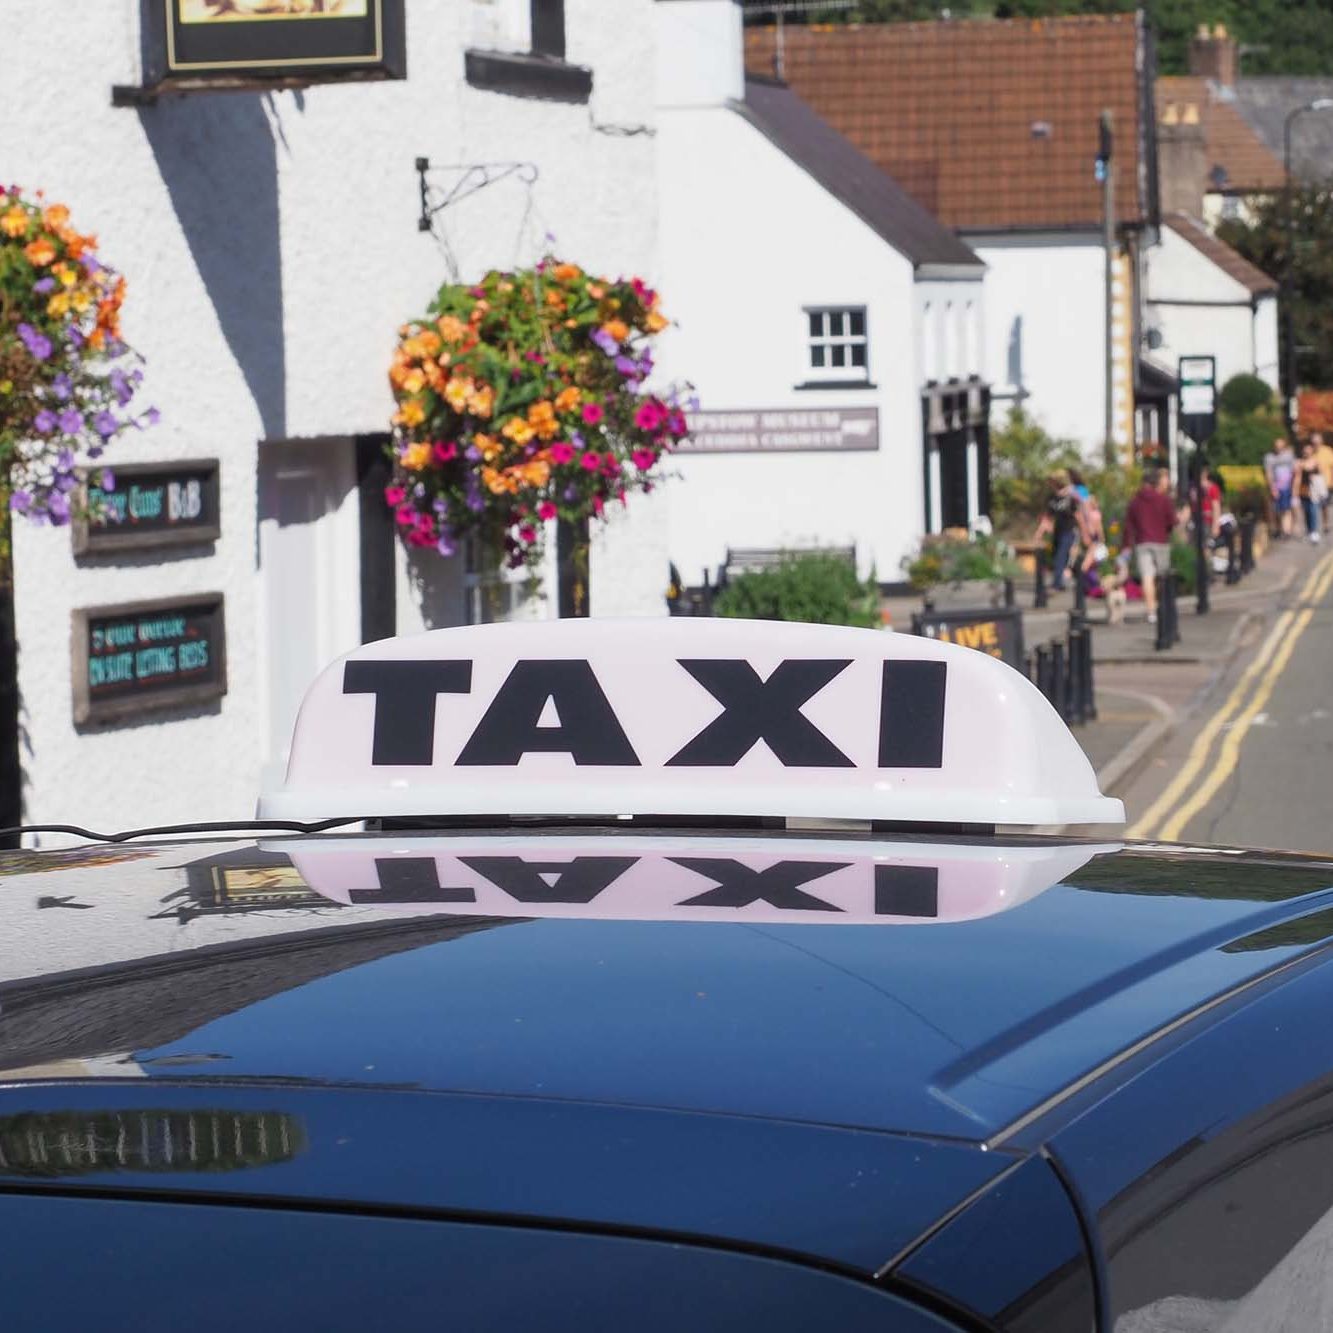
141	657
782	430
303	40
996	632
153	504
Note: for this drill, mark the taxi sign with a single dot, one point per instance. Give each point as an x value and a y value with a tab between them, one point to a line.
671	717
805	881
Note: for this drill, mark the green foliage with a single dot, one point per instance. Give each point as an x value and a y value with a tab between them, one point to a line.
1243	393
1277	36
818	589
1244	439
1114	487
1306	213
944	559
1182	565
1023	456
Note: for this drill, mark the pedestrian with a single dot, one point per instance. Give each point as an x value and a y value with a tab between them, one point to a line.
1323	451
1311	489
1092	529
1280	470
1149	523
1211	504
1061	521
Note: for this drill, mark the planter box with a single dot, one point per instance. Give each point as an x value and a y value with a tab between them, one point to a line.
971	593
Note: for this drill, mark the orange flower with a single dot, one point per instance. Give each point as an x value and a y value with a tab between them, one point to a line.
55	216
535	473
456	392
541	417
554	299
617	328
416	456
58	305
75	245
499	483
567	399
655	321
490	447
14	221
517	429
566	272
413	382
40	251
595	291
481	400
452	329
478	312
411	413
434	375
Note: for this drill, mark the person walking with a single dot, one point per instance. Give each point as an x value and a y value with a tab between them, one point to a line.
1061	520
1323	451
1149	523
1280	470
1092	528
1310	487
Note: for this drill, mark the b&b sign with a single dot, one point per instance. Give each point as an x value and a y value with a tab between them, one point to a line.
157	504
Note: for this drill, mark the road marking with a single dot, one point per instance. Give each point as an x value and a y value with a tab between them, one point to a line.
1229	754
1198	755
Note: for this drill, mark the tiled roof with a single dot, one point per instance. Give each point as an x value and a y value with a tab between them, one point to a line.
989	123
1230	261
842	169
1250	166
1264	102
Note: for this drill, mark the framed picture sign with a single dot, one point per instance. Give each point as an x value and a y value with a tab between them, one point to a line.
307	41
140	657
153	504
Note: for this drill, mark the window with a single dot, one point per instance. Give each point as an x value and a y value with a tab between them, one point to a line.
548	28
838	349
541	71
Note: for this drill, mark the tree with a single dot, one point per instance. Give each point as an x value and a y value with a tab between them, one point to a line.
1303	215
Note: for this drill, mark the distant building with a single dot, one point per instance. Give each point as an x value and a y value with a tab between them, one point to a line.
832	327
994	127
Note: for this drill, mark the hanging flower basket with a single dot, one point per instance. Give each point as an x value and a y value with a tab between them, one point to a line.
520	400
66	377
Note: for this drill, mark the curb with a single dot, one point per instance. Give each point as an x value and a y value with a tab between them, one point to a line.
1118	767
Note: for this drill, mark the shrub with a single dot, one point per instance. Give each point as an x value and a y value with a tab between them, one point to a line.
945	559
1241	394
818	589
1023	456
1182	565
1245	439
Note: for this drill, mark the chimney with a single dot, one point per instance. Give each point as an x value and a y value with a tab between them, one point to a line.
700	53
1182	158
1214	55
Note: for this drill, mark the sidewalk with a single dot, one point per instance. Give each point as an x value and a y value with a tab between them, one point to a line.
1141	692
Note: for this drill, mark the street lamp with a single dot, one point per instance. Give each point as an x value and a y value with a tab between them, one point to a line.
1289	386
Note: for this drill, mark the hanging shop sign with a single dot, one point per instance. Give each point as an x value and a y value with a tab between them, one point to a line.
153	504
1198	397
307	40
782	430
998	633
141	657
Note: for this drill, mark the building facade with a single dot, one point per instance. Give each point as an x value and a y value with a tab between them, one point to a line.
820	313
270	241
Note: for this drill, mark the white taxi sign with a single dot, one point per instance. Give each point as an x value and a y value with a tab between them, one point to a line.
804	881
677	717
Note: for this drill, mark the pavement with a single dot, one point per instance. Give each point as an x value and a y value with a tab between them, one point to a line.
1145	697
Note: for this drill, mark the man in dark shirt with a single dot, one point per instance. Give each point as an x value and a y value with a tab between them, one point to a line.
1149	522
1061	520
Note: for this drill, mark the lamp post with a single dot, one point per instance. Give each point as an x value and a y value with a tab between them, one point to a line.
1288	319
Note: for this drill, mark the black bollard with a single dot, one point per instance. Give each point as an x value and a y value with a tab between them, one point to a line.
1080	596
1060	679
1039	593
1233	560
1043	678
1075	689
1008	593
1163	641
1089	684
1247	525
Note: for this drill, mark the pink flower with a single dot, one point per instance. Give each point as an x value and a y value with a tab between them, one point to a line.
405	516
527	534
643	459
394	496
676	423
546	511
598	504
592	413
562	452
591	461
444	450
650	415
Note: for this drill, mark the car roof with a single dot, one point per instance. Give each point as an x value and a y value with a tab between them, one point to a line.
225	963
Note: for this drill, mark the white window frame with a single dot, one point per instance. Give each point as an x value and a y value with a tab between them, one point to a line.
835	332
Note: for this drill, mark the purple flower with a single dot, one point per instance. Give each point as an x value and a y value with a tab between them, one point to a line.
571	494
149	418
627	366
58	507
44	285
95	451
475	502
576	439
473	453
61	386
606	342
105	424
65	481
70	421
446	545
20	502
692	403
38	344
65	461
107	479
75	337
44	422
120	386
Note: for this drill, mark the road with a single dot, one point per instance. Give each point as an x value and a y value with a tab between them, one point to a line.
1255	766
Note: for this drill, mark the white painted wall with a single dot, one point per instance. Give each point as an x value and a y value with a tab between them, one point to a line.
271	249
951	341
1202	311
1045	328
748	240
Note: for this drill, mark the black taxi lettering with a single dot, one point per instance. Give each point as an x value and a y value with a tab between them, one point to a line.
410	879
739	885
754	709
576	881
907	891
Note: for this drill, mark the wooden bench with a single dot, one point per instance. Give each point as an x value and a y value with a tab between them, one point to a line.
757	559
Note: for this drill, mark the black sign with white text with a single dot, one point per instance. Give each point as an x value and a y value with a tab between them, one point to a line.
152	504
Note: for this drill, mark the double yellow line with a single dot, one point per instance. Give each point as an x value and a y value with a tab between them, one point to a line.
1169	813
